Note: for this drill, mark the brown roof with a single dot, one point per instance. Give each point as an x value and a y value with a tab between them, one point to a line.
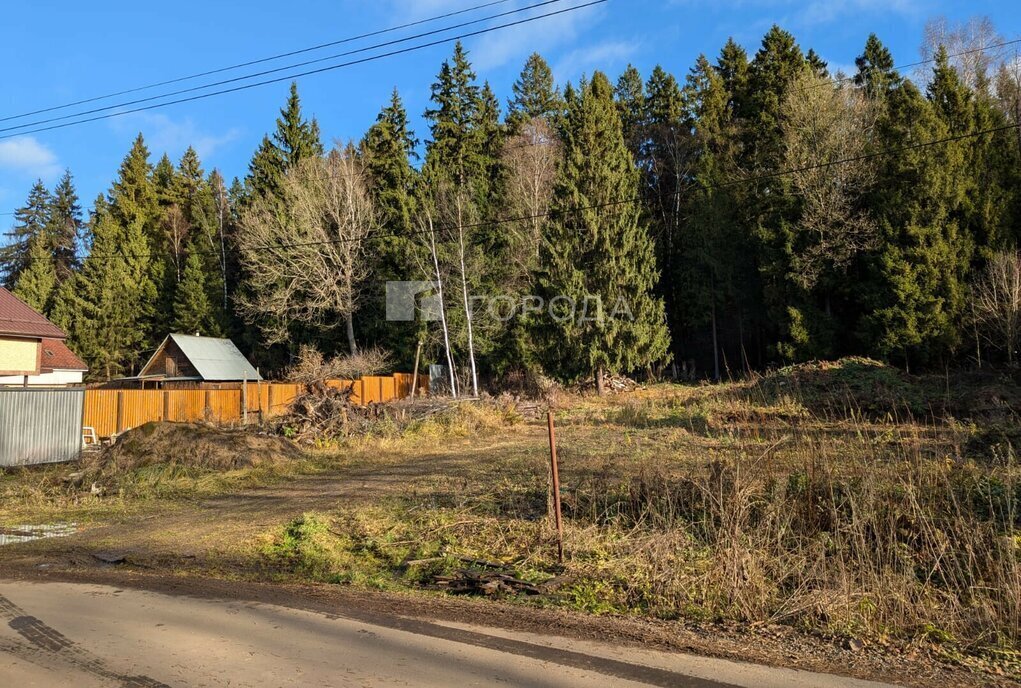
19	319
56	356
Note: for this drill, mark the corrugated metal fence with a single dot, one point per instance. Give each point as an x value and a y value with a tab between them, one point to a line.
112	411
40	425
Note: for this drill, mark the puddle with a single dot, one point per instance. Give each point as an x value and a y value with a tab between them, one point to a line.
12	534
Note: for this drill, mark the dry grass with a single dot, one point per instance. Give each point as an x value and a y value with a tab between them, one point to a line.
721	504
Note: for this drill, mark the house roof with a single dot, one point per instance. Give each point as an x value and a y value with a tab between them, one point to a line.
20	320
56	356
214	359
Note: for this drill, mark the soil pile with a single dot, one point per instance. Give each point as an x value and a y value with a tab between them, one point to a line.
193	445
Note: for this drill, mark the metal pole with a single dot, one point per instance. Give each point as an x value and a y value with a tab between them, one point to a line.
558	517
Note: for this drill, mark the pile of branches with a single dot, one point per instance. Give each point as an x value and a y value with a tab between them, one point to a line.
484	578
324	414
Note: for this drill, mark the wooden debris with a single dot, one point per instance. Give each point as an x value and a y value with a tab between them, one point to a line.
614	384
479	582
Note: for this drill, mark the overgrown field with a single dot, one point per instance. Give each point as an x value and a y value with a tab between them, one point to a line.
845	498
842	498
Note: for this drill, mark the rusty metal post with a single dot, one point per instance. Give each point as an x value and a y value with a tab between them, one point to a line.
558	517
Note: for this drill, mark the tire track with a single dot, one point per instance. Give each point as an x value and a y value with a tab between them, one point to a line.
43	643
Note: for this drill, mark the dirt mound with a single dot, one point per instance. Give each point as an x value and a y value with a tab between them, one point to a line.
193	445
848	385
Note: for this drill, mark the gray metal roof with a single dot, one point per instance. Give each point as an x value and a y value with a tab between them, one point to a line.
215	359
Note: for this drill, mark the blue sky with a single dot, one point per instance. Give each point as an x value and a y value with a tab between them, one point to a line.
55	52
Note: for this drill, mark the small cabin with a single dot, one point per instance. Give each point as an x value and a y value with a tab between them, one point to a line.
184	359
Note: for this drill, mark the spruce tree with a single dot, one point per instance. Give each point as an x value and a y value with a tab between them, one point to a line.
490	137
630	96
294	139
816	64
454	152
388	150
599	255
663	163
715	262
106	308
535	94
65	227
876	73
164	179
914	294
193	311
30	223
134	208
802	328
38	280
133	196
732	66
190	177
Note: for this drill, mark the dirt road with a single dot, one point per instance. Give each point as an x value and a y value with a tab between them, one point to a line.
54	634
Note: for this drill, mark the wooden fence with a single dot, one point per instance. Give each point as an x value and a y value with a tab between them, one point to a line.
112	411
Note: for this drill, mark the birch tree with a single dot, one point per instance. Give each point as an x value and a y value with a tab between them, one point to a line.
826	131
998	302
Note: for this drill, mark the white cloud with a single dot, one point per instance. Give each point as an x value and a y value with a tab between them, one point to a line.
605	56
25	155
517	43
163	134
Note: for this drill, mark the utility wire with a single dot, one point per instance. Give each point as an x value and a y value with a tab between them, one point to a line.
320	70
900	68
622	201
275	70
250	63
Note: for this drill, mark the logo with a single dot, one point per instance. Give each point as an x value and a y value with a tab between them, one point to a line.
403	299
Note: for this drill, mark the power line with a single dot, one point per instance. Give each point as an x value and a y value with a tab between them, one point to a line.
320	70
900	68
627	200
275	70
250	63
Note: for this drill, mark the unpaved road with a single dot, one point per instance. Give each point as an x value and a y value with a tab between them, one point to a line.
83	635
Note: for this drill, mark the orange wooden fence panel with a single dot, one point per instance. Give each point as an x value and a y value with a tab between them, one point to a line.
185	405
101	411
387	389
111	411
225	405
140	406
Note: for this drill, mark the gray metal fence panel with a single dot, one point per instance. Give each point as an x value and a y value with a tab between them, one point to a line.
40	425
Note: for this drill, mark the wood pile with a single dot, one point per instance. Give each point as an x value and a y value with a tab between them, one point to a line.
327	413
324	413
614	384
